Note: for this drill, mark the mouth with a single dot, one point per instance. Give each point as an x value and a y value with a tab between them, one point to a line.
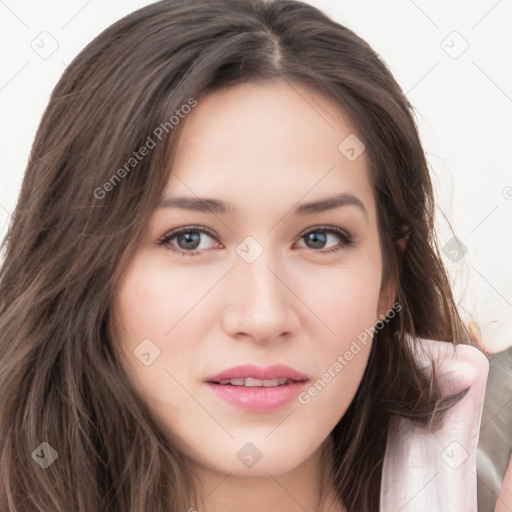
258	389
250	382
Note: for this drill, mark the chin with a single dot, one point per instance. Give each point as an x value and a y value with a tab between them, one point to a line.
246	459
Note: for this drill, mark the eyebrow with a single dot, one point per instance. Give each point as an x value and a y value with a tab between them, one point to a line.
208	205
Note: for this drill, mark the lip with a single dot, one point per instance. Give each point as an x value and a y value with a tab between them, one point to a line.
275	371
258	399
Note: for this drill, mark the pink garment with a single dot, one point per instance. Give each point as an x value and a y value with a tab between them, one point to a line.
436	472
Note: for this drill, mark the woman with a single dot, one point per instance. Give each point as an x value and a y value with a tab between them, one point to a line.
144	370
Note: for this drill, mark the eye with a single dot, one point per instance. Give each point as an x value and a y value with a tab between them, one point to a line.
186	241
319	236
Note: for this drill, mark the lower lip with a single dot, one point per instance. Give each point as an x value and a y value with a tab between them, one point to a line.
258	399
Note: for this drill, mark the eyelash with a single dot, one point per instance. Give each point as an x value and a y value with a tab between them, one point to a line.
347	240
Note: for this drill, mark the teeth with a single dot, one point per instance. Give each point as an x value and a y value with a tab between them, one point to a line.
254	383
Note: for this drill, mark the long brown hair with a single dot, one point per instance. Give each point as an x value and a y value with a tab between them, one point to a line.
76	226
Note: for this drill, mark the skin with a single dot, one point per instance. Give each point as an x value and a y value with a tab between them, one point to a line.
264	147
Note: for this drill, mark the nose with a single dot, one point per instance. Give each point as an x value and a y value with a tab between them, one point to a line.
260	304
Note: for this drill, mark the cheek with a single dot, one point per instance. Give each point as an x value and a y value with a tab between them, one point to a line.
150	308
151	301
345	299
346	302
340	360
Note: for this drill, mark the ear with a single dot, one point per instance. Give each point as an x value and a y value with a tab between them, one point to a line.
388	288
386	299
404	238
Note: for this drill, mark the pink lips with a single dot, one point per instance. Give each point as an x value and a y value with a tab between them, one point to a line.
258	399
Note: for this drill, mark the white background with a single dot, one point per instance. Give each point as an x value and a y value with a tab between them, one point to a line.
462	99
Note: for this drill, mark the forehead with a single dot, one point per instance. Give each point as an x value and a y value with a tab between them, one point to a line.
274	141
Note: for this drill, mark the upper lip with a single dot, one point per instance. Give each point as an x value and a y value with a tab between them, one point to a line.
276	371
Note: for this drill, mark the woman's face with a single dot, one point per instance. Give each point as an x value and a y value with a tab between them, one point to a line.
278	274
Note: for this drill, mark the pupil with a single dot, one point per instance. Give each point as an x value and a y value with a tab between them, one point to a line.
319	240
189	238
